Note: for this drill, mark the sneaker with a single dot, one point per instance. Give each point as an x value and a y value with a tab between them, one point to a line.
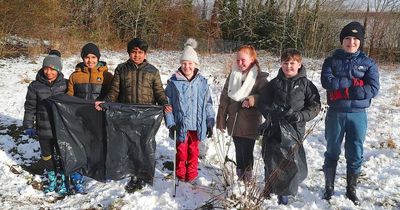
39	167
77	182
283	199
135	184
52	182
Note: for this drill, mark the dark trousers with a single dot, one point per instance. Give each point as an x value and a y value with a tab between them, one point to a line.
46	146
244	152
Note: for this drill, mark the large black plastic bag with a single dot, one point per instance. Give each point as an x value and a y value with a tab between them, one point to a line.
130	140
285	160
106	145
80	134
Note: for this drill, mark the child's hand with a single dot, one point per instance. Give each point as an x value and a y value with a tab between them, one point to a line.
97	105
248	102
31	132
295	117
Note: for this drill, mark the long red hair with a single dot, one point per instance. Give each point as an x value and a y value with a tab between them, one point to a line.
249	49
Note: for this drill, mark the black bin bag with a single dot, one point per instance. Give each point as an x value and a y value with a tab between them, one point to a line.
113	144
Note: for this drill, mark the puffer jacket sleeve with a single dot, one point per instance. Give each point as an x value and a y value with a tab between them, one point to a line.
312	105
330	81
264	103
70	88
210	110
223	107
30	107
114	89
169	117
108	77
371	85
158	90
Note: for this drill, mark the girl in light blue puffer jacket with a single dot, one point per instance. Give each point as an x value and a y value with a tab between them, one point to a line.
192	116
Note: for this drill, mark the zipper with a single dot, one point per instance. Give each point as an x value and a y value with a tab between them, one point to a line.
137	83
90	85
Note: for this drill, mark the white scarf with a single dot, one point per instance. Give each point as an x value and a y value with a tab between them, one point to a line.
236	90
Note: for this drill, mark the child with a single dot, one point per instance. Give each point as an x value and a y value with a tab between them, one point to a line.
90	81
49	81
293	99
192	116
136	82
351	80
237	109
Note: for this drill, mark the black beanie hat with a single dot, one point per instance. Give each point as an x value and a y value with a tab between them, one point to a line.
353	29
139	43
90	48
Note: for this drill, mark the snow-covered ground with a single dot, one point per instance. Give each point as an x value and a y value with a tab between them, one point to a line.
379	186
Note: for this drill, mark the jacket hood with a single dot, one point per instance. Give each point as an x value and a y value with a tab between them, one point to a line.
42	78
302	73
101	67
178	75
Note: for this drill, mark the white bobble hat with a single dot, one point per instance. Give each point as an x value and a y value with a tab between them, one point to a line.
189	54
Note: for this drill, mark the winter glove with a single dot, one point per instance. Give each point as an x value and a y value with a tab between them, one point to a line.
294	117
335	95
31	132
278	113
172	130
209	132
358	82
167	108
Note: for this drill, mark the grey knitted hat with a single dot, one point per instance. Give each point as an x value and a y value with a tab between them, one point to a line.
53	61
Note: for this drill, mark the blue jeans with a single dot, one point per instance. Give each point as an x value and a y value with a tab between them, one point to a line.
351	126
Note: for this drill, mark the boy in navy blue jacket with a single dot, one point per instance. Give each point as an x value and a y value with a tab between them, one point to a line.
351	80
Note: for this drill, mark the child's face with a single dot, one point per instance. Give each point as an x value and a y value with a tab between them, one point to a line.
137	55
290	68
350	44
188	68
90	61
244	60
50	73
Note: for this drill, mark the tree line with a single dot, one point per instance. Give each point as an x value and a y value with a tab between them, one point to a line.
312	26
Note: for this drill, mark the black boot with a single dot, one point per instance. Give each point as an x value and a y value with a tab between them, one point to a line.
351	188
40	166
135	184
329	182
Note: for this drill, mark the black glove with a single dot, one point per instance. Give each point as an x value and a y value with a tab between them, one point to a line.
279	113
294	117
172	130
209	132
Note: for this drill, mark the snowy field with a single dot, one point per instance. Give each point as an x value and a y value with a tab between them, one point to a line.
379	186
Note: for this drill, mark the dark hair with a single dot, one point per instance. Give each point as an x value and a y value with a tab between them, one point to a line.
291	53
139	43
